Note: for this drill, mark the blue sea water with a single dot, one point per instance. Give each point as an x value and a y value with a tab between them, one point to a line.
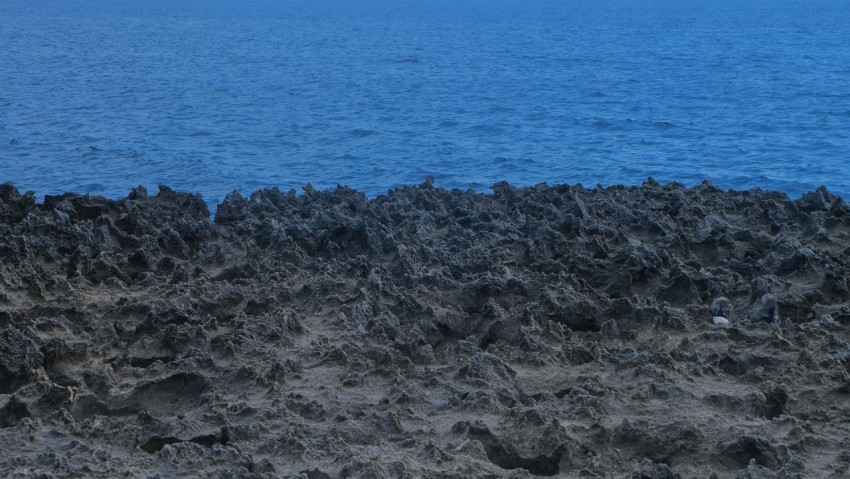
98	96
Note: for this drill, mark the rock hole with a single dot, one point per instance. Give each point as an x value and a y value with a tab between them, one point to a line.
172	394
562	393
729	365
584	324
139	262
156	443
541	465
12	413
486	341
209	440
751	448
315	474
257	308
448	332
775	405
506	458
144	363
11	381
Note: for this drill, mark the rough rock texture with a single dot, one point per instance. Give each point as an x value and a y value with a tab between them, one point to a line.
549	331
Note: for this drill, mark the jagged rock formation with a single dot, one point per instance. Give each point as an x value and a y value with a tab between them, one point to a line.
548	331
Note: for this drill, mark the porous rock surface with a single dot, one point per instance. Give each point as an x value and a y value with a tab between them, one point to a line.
548	331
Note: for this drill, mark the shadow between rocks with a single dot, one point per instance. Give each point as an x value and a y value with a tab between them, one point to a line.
156	443
504	455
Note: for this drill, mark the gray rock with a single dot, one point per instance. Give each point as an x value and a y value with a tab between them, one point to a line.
766	309
721	307
18	360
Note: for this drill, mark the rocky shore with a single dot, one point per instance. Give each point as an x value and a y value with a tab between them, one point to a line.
553	331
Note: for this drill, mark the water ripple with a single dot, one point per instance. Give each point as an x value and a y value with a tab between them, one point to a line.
211	97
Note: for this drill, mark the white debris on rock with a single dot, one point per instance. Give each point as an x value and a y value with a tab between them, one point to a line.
720	321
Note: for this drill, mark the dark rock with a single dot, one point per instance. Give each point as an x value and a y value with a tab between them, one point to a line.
656	471
19	359
12	412
13	206
333	334
749	448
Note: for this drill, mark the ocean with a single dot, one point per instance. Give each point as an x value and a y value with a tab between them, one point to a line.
213	96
